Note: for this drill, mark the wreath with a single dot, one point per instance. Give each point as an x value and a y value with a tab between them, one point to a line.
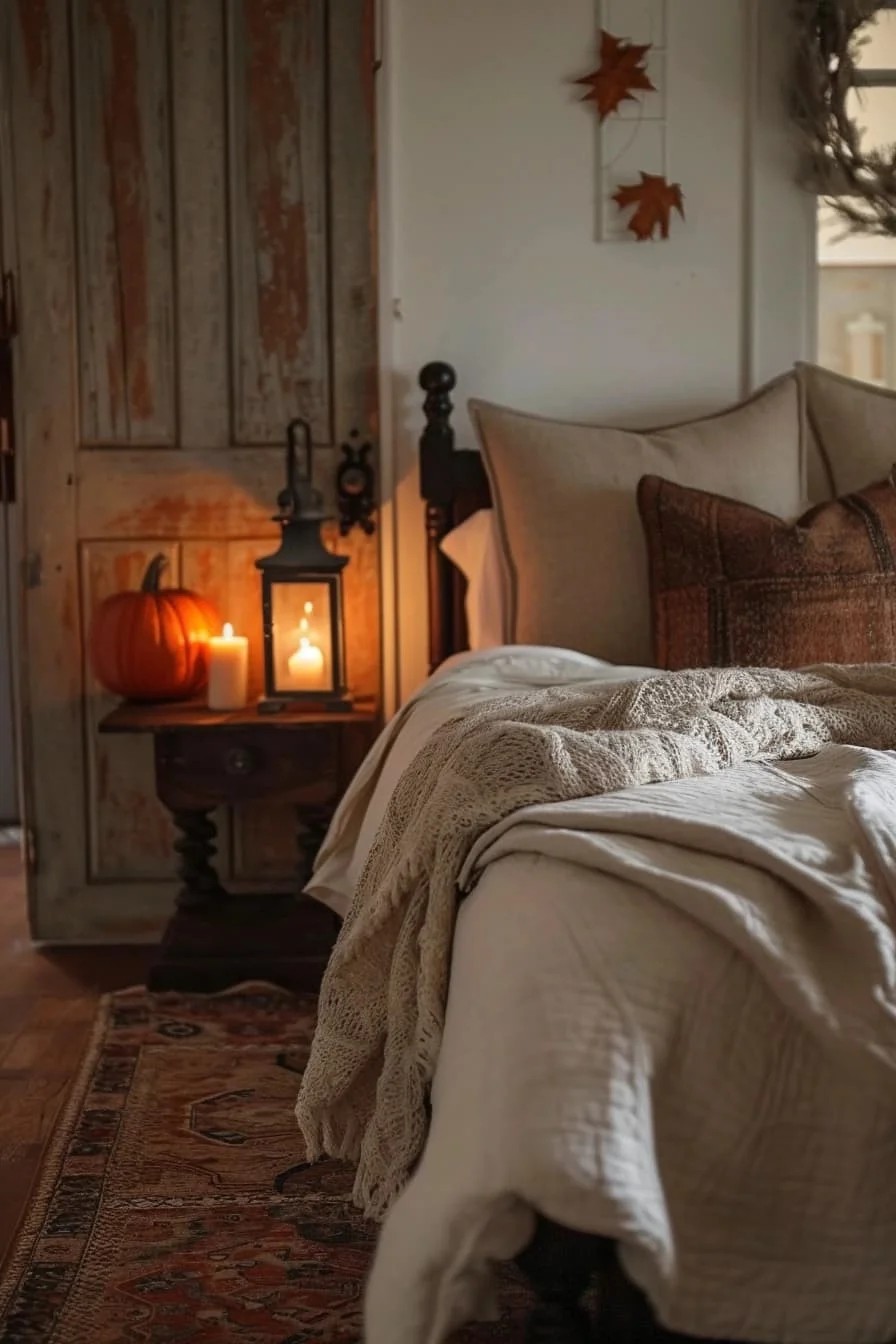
858	183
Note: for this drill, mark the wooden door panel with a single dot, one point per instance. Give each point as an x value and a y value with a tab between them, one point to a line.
182	494
124	221
198	68
353	223
276	56
193	204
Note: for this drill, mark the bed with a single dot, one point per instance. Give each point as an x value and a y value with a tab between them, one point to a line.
523	1026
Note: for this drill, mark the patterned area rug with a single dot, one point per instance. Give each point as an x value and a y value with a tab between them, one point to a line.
174	1204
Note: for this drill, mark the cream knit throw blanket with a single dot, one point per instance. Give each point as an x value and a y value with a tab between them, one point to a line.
364	1092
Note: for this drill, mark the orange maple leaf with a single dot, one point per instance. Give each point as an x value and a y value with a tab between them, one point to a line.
655	199
620	71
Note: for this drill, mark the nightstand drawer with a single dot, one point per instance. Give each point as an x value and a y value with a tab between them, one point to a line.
234	765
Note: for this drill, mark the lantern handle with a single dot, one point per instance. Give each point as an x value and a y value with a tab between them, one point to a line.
292	499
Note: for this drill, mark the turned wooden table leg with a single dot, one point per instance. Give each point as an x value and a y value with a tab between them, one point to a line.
195	847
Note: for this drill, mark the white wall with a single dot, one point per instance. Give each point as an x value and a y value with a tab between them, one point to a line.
488	227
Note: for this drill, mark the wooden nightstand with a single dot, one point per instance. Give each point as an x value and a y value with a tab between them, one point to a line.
205	760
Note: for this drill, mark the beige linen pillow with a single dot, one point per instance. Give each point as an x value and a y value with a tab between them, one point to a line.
573	553
852	427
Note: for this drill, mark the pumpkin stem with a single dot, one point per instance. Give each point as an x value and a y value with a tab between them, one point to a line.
153	575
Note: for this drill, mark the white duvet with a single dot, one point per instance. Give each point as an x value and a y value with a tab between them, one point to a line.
604	939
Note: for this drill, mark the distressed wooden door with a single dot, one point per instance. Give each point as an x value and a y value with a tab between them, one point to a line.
192	187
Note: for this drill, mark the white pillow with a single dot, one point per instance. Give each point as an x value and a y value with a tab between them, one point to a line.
572	554
853	425
475	548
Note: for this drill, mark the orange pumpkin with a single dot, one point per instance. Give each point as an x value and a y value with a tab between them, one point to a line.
153	644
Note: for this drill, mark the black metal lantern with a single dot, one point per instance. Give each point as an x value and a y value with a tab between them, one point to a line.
301	591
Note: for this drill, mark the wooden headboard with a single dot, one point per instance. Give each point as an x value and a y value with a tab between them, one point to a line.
454	484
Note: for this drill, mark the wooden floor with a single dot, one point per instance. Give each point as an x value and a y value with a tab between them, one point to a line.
47	1004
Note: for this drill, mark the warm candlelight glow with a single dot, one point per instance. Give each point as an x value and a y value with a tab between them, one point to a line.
306	665
228	670
304	623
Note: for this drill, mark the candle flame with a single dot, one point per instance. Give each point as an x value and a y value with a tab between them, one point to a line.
309	607
228	630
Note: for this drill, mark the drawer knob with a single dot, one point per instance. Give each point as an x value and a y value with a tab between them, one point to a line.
239	761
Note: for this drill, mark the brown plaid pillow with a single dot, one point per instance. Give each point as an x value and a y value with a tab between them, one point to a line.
731	585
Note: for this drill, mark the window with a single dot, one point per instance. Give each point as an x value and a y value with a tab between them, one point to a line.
857	272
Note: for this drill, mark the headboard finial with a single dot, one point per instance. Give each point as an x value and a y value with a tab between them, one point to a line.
438	377
438	381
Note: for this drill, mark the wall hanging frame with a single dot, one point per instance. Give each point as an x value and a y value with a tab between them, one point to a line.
627	90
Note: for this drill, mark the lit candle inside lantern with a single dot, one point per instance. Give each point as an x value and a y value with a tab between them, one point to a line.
306	666
228	670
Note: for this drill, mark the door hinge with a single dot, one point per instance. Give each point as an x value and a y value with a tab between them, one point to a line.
30	849
9	327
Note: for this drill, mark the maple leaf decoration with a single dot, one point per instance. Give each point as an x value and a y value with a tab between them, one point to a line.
654	199
621	70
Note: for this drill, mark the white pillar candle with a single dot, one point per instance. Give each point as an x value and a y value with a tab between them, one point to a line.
228	670
306	666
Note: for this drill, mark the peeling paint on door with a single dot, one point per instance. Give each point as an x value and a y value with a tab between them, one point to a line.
216	296
35	29
279	209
